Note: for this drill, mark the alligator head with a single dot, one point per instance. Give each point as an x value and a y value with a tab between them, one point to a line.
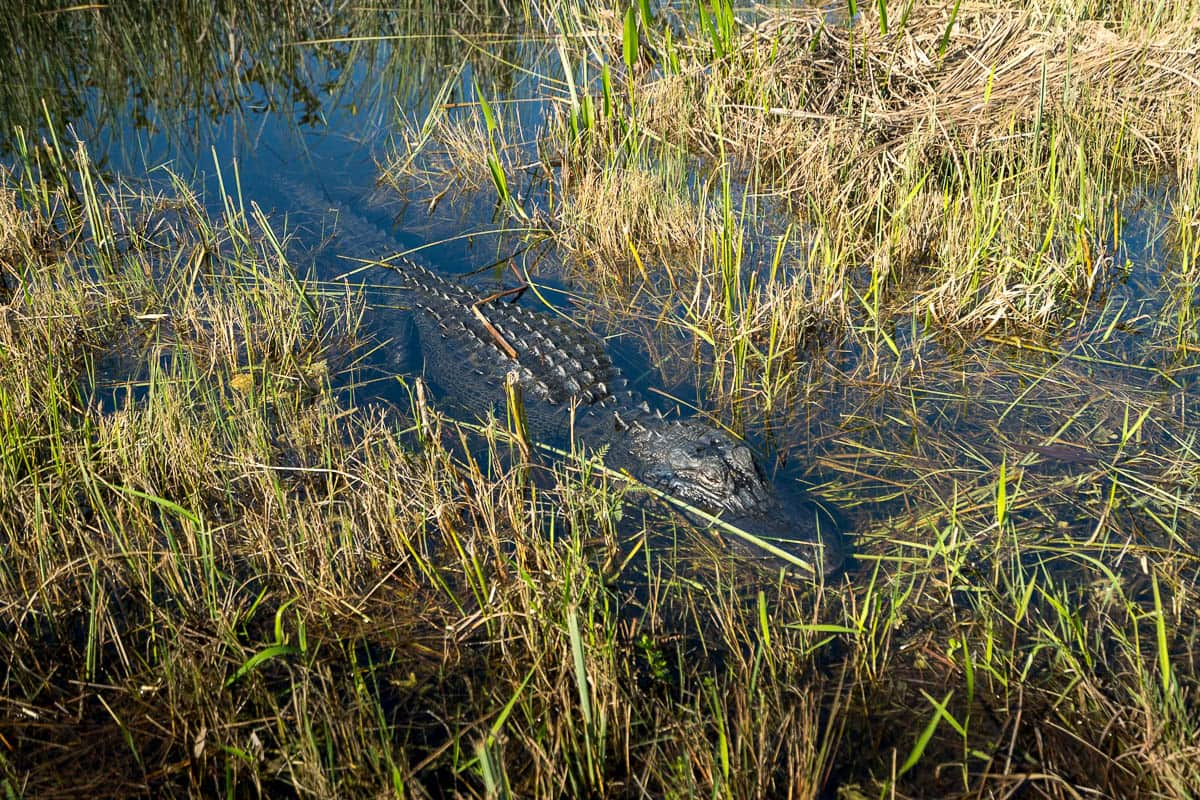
712	472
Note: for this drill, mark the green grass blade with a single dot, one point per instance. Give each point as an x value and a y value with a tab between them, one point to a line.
581	677
922	742
629	39
262	656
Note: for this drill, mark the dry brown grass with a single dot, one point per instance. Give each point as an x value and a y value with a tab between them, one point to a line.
26	238
625	215
1000	68
444	153
970	173
445	157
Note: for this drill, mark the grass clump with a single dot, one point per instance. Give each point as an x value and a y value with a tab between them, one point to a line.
628	217
442	152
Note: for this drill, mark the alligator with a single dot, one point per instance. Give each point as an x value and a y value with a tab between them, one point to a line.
574	394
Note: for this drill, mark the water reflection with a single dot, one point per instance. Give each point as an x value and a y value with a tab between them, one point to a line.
312	95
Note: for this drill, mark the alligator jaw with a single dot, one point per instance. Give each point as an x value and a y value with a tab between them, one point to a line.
793	528
715	479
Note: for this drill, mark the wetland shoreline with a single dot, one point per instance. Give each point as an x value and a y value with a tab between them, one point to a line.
937	260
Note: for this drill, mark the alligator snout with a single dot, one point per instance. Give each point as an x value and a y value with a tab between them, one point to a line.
715	474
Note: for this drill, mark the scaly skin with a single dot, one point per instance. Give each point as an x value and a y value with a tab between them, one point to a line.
573	391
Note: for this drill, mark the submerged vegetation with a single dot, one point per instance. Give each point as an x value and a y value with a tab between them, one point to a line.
941	259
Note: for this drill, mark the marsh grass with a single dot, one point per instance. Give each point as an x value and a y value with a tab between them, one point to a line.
460	161
226	571
954	188
221	579
1044	504
626	217
227	579
965	166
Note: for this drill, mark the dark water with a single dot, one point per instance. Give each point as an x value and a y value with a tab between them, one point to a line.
250	101
291	117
